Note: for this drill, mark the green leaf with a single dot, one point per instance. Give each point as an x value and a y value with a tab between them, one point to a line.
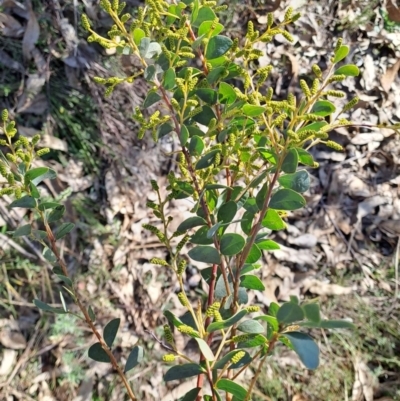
207	95
224	324
205	349
216	74
39	234
323	108
169	79
137	35
226	94
290	162
251	327
48	205
268	245
217	46
23	230
247	222
97	353
64	229
200	237
151	98
191	222
273	221
183	190
34	191
212	231
311	312
305	157
173	319
66	280
207	160
148	49
134	358
329	324
305	347
205	28
350	70
261	196
254	254
191	395
233	388
195	10
252	110
298	182
37	175
26	202
164	130
251	283
205	116
56	214
91	314
315	126
110	331
63	303
184	371
205	14
227	212
231	244
205	254
271	321
286	199
184	135
255	340
49	255
289	313
47	308
341	53
196	146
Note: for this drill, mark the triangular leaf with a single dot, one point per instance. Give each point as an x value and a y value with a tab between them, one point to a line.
305	347
184	371
110	331
97	353
134	358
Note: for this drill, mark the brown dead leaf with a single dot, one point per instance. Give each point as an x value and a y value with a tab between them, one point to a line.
31	34
10	27
8	359
322	288
365	382
12	339
388	78
393	10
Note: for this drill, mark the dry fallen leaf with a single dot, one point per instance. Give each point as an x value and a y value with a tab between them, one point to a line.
365	382
322	288
12	339
393	10
388	78
31	34
10	27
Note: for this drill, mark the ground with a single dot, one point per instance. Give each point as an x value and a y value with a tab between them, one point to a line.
343	248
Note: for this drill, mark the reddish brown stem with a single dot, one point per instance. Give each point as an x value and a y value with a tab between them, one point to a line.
103	344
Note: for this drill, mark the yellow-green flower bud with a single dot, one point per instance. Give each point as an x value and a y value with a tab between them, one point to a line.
169	358
182	243
3	169
240	338
350	104
314	86
288	36
42	152
288	14
238	356
304	87
317	71
85	22
181	267
121	8
168	334
6	191
126	17
217	316
270	20
35	139
10	178
4	115
106	5
334	145
337	78
11	157
18	192
252	308
183	299
185	329
269	94
24	141
250	29
3	142
158	261
338	44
